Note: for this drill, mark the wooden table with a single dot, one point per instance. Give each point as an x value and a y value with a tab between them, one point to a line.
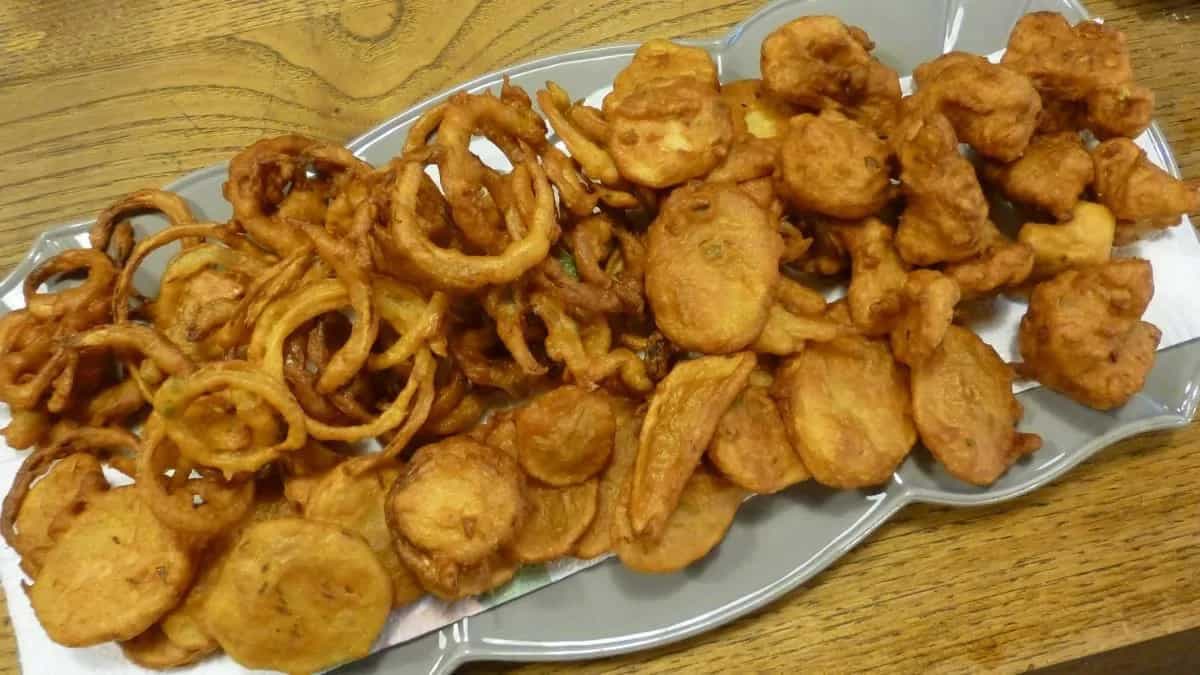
98	98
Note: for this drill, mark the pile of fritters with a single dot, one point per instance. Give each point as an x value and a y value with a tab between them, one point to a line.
369	385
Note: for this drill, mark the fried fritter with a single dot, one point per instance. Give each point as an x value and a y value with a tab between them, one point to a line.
658	59
146	569
756	112
965	410
352	496
1085	239
565	436
153	649
705	510
669	130
1068	62
1123	111
815	62
847	408
1003	263
751	446
876	288
299	596
557	518
946	216
597	540
1083	335
52	504
927	311
712	265
1052	175
683	415
992	108
1142	196
834	166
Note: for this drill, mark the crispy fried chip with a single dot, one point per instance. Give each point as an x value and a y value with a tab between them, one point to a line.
299	596
565	436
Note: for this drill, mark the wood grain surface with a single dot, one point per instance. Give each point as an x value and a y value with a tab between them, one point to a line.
98	98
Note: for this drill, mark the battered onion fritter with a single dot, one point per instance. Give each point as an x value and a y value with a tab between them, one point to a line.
965	410
1052	175
832	165
1083	335
712	264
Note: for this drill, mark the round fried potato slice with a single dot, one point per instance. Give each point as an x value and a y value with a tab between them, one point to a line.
565	436
965	410
557	518
712	264
298	596
48	507
705	512
82	601
597	540
669	130
354	499
661	58
751	446
153	649
847	408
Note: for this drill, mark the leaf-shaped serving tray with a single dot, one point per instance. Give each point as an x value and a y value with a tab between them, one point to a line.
778	543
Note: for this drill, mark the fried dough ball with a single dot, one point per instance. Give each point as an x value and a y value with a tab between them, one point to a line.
565	436
680	423
712	264
299	596
1003	263
669	130
946	216
1052	175
352	496
51	505
1085	239
751	446
146	569
597	540
847	408
1083	335
706	507
457	503
832	165
755	111
1142	196
876	289
661	59
815	62
557	518
992	108
965	410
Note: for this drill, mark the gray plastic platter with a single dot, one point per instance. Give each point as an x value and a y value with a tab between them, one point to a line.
775	544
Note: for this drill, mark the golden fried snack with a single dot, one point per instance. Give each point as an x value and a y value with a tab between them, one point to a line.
557	518
706	507
682	418
847	408
1083	335
787	331
352	496
669	130
751	446
1052	175
1086	238
946	215
876	108
597	540
299	596
712	264
834	166
875	294
815	62
992	108
1143	197
965	410
755	111
661	59
478	489
1003	263
146	571
51	504
1121	111
928	310
565	436
153	649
